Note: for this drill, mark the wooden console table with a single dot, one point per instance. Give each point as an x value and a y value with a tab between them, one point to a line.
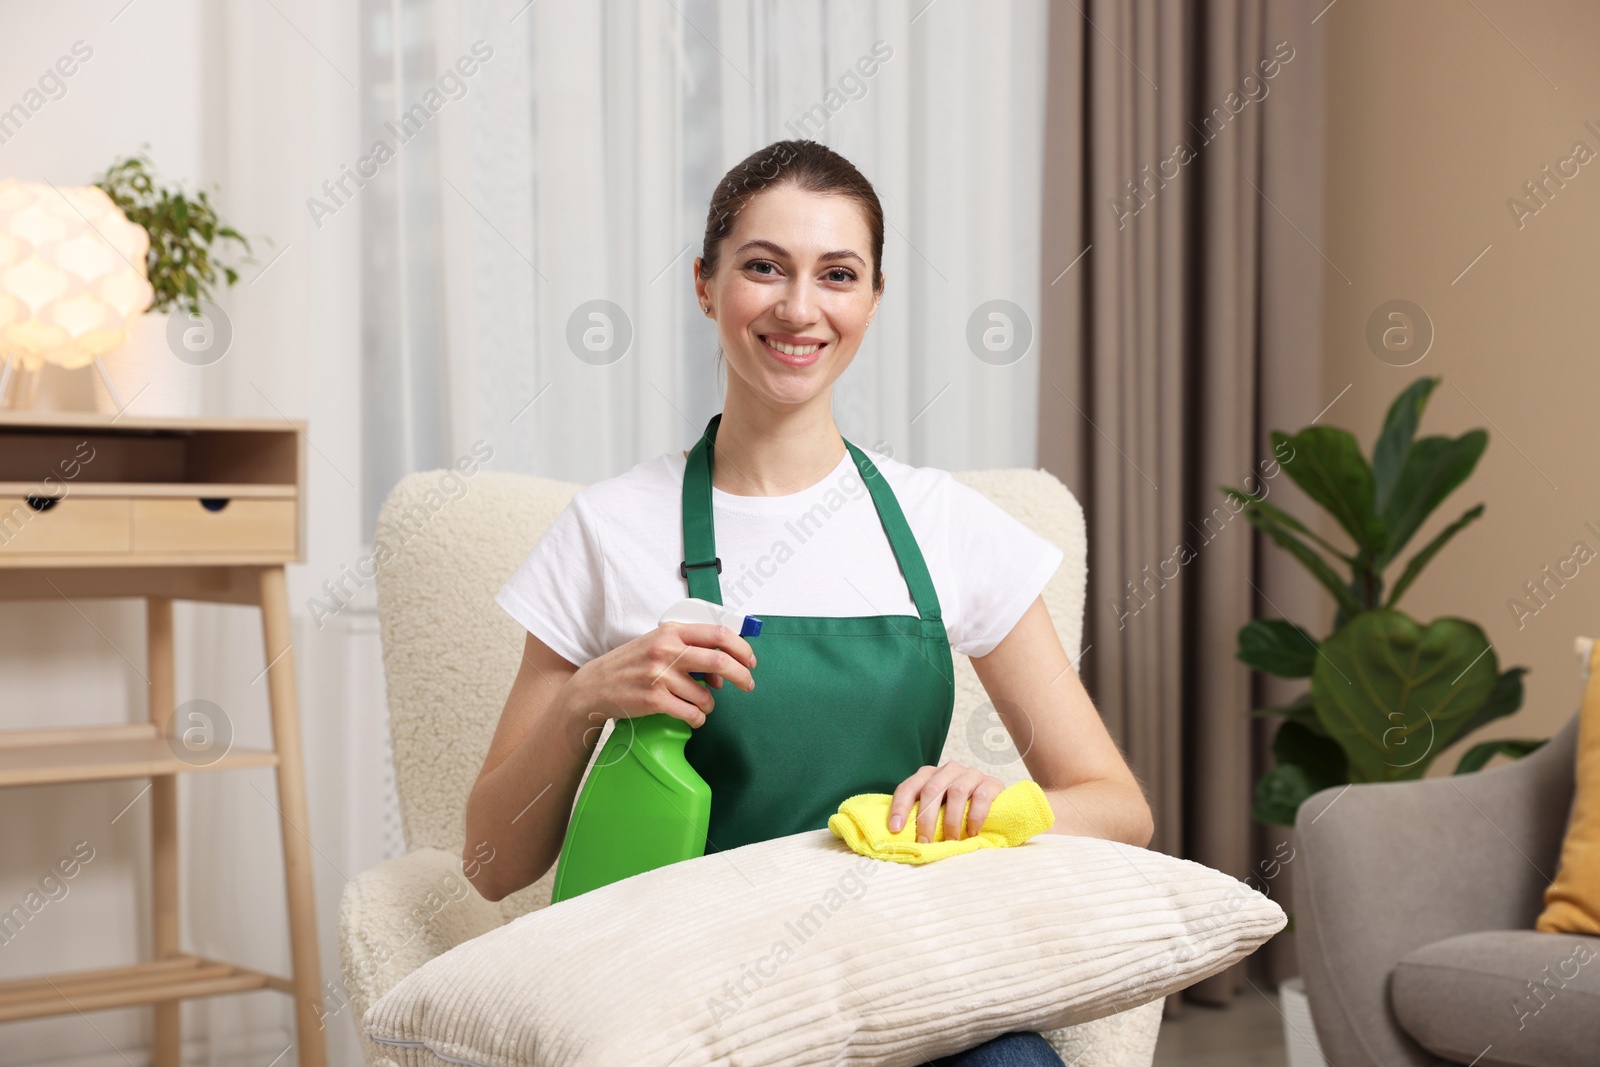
162	509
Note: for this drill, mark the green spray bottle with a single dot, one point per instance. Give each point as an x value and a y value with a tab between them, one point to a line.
642	806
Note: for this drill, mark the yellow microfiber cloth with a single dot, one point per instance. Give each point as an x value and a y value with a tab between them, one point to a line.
1018	812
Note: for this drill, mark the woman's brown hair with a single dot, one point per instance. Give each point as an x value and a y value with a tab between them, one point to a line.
808	165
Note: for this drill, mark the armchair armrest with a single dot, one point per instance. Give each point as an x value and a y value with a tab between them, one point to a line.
1386	868
1126	1039
394	918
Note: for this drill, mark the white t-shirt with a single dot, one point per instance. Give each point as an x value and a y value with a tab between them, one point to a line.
607	567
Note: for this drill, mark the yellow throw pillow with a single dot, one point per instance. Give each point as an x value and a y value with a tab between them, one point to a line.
1572	901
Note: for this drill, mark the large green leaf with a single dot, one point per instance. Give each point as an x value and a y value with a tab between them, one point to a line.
1324	761
1283	518
1279	794
1328	464
1515	747
1504	699
1432	470
1306	763
1394	693
1415	564
1303	552
1394	440
1276	646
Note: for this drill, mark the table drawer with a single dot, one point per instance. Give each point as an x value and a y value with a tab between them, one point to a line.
66	524
191	524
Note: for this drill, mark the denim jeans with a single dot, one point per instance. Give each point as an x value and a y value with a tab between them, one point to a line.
1019	1048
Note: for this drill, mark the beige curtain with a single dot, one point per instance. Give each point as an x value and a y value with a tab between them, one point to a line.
1180	325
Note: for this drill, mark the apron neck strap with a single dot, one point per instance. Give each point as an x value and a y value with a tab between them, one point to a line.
701	566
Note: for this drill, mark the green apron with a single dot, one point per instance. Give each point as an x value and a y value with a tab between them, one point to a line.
842	704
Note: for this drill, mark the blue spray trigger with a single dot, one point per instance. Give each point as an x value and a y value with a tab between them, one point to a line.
750	627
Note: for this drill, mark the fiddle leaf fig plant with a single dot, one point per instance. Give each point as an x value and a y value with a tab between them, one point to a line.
1387	693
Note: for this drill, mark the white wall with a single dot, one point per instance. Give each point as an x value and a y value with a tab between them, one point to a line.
254	97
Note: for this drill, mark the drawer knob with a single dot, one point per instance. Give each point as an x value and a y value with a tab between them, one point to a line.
214	503
42	503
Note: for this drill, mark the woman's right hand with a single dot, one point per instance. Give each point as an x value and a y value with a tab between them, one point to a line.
650	674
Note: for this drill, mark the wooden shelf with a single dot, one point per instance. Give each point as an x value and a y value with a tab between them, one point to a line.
134	511
92	420
106	561
188	490
171	979
100	753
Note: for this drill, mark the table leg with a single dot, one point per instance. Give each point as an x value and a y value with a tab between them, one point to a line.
295	825
166	1048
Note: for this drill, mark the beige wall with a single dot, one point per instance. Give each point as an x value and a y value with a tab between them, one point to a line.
1435	120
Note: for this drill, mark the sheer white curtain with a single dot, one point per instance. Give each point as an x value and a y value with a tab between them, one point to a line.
575	164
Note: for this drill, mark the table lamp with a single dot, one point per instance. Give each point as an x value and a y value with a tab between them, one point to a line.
72	279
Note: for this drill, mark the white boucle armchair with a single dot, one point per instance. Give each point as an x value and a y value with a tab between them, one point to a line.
450	654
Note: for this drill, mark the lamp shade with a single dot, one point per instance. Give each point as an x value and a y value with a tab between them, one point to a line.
72	273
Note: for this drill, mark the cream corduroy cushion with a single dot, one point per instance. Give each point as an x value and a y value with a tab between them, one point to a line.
799	951
450	654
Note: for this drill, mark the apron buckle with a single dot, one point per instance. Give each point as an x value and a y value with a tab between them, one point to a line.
683	567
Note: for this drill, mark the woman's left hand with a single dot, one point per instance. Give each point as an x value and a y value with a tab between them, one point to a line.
950	785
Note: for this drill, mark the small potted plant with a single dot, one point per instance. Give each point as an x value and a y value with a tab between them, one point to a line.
158	370
1386	693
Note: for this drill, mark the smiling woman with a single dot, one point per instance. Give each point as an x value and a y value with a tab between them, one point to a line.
759	302
855	687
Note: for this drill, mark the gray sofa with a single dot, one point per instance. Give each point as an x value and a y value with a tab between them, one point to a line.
1414	910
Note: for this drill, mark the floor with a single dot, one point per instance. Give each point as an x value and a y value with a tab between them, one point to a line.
1247	1033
